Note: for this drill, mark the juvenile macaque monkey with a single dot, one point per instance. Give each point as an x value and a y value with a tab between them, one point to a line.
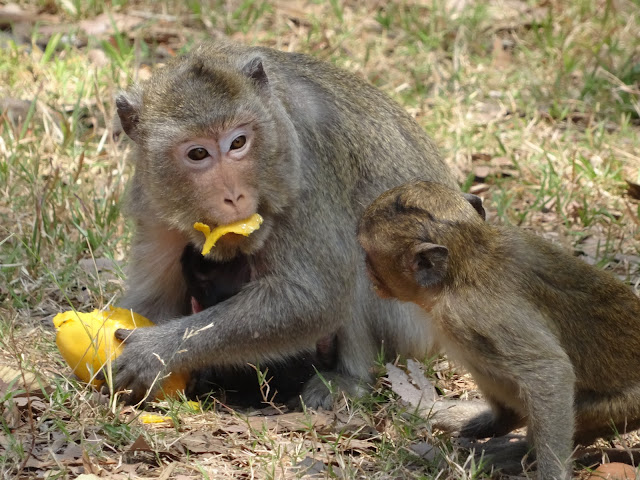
227	131
551	342
209	283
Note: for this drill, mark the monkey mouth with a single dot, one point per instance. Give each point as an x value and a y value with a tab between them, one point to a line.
231	240
196	306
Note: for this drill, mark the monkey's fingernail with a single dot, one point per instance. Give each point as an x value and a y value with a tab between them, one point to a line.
122	334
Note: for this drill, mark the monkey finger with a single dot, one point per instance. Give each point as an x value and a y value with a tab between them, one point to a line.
123	334
104	389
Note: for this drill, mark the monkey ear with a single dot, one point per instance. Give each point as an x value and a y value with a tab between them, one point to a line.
476	202
129	105
255	71
429	264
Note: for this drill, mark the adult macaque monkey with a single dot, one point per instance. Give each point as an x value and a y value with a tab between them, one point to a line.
227	131
552	342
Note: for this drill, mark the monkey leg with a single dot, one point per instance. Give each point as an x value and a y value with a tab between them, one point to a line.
550	410
604	415
475	419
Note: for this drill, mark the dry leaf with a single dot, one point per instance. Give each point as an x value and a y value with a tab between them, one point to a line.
310	466
402	386
429	393
89	464
11	415
425	451
291	422
142	451
17	380
614	471
140	445
205	442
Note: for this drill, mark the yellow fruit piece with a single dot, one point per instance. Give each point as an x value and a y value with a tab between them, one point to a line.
154	418
87	342
242	227
193	406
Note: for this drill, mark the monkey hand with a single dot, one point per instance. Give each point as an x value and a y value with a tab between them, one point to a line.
142	365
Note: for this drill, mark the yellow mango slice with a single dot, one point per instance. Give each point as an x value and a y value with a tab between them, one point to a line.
87	342
147	417
242	227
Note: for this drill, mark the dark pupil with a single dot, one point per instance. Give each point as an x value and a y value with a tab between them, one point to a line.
197	154
238	142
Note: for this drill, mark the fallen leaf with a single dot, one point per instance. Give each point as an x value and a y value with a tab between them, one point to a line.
614	471
429	392
140	450
401	384
291	422
11	414
310	466
353	425
205	442
425	451
140	445
72	451
90	465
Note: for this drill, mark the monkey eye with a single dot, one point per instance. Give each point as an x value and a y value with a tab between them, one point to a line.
197	153
238	142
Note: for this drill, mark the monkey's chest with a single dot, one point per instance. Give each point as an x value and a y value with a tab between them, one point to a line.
481	361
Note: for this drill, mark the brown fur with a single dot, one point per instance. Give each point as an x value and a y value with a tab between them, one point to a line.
551	341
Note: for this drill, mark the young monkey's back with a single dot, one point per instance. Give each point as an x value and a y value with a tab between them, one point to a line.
550	340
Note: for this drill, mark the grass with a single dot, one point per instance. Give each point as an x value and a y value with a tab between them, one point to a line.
535	106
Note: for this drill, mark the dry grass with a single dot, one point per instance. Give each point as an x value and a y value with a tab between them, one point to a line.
535	106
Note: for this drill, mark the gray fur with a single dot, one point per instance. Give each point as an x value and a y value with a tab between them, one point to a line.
329	143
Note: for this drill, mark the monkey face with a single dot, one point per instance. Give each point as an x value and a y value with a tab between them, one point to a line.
212	148
219	168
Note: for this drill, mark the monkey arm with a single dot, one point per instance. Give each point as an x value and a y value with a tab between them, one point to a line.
527	370
547	385
275	315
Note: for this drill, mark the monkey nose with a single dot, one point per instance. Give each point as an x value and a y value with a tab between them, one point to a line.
235	206
234	200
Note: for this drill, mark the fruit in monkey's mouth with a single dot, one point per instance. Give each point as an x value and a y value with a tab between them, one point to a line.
242	227
87	342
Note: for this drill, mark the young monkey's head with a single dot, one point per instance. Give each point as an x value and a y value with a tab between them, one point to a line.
410	232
